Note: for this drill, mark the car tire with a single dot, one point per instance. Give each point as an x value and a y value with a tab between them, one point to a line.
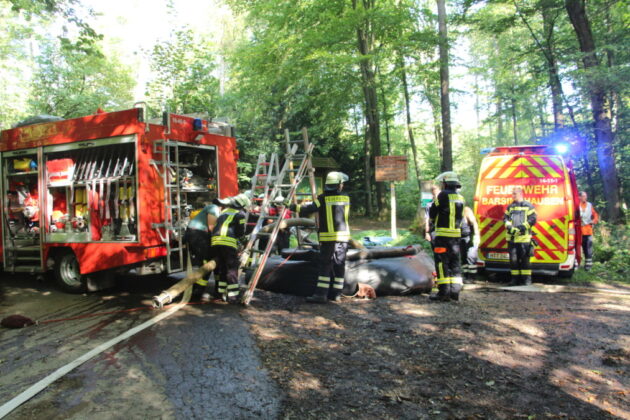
68	273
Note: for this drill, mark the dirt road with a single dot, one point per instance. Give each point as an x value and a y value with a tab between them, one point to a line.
493	355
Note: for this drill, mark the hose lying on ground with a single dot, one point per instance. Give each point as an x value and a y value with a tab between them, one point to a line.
178	288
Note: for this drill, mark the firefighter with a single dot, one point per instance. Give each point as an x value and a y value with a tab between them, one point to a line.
519	219
230	226
446	212
468	245
334	233
197	237
588	218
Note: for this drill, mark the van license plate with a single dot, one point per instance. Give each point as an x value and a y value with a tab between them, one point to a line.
498	255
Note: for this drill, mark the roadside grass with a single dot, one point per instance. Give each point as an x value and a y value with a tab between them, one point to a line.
405	237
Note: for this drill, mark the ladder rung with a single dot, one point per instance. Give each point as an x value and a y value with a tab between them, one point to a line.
298	157
262	175
305	194
263	234
296	141
284	185
264	164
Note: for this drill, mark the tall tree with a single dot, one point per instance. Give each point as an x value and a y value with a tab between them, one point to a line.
71	83
366	42
445	102
600	107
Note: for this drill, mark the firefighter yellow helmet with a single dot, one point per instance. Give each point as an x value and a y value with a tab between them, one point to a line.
448	177
336	178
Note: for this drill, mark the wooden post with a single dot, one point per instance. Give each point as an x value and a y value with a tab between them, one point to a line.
392	190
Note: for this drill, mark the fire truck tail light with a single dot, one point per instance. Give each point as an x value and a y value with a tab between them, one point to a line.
155	252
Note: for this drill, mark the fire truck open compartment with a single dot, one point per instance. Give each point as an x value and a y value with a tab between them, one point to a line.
108	192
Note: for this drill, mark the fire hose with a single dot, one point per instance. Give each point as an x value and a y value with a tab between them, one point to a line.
167	296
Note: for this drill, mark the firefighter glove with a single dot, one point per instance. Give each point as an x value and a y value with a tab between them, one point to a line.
513	231
522	229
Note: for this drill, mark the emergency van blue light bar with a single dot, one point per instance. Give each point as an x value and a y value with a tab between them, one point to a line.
561	148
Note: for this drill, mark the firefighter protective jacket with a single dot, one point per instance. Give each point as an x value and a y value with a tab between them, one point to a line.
519	219
333	208
230	226
447	212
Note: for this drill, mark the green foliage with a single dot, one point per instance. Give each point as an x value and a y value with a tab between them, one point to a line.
184	79
72	83
611	260
405	237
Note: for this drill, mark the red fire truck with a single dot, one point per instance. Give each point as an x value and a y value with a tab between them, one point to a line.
548	182
84	196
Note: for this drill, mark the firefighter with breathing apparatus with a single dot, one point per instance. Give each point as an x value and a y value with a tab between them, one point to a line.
519	219
333	207
446	212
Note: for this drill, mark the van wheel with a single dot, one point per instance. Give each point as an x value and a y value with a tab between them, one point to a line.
68	274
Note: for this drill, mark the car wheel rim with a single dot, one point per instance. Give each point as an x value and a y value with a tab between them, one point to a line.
69	270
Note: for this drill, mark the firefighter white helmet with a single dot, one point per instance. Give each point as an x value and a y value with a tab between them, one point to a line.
448	177
336	178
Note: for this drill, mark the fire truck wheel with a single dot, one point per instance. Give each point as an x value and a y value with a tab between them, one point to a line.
67	273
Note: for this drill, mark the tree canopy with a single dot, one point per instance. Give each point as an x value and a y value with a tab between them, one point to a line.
363	76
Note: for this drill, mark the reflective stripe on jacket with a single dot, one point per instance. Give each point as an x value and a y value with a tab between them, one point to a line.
230	226
334	209
518	214
446	212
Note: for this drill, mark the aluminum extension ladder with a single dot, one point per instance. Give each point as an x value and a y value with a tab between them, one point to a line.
285	183
173	236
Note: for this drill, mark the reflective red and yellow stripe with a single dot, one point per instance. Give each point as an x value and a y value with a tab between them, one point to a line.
551	235
523	167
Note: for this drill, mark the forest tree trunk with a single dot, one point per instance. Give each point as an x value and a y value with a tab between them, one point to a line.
600	107
447	138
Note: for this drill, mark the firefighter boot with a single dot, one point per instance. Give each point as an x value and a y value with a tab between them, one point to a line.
455	289
320	296
515	280
443	294
527	281
336	298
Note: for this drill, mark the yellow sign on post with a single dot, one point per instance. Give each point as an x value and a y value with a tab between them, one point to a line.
392	169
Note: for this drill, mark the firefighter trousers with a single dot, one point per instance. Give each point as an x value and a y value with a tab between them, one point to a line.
587	250
226	273
198	243
468	257
332	269
520	265
448	266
